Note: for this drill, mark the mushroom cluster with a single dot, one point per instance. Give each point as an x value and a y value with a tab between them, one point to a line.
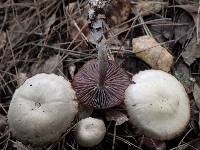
42	109
157	104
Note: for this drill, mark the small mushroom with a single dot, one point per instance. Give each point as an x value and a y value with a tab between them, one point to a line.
90	132
157	104
42	109
92	92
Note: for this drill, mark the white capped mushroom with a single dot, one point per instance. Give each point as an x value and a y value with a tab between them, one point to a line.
157	104
42	109
90	132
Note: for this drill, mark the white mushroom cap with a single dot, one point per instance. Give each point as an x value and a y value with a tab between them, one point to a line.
90	132
157	104
42	109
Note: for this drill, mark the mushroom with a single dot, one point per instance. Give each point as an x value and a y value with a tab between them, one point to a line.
157	104
90	132
100	91
42	109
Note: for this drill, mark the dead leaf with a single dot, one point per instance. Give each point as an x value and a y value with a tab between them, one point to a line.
150	51
117	116
196	94
51	65
187	35
146	7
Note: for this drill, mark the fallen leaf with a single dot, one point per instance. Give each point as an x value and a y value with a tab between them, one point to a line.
150	51
117	116
145	7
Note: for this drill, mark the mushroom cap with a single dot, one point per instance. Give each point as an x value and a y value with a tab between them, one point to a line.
42	109
157	104
90	132
89	93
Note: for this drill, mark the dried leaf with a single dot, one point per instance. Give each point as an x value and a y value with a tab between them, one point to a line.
192	52
196	94
51	65
150	51
117	116
186	33
145	7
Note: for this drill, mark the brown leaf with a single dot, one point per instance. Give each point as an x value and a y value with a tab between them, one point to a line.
117	116
145	7
150	51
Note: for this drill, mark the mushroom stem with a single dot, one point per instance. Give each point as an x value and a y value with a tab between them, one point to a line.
103	66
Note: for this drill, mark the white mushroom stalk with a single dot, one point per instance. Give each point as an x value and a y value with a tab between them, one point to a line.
90	132
42	109
157	104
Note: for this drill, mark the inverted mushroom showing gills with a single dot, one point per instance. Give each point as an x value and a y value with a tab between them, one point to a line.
157	104
88	90
90	132
42	109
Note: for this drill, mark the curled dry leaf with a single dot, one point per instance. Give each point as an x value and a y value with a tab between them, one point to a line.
150	51
146	7
196	94
117	116
51	65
